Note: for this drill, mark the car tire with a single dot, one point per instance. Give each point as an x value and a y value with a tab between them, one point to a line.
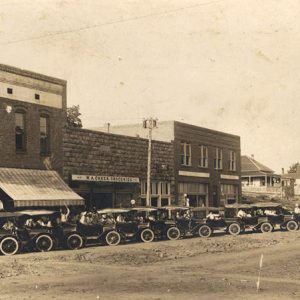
292	225
9	245
113	238
44	243
266	227
234	229
205	231
74	241
147	235
173	233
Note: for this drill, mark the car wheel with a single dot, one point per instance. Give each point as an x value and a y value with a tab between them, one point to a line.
147	235
74	241
44	243
9	246
173	233
234	229
113	238
205	231
266	227
292	225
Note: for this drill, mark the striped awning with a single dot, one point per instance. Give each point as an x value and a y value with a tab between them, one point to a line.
37	188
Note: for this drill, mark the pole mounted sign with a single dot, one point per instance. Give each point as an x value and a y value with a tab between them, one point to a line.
101	178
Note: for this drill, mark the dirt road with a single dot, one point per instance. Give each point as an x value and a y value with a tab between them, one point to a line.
221	267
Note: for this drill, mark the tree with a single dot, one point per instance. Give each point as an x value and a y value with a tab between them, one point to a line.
293	168
73	116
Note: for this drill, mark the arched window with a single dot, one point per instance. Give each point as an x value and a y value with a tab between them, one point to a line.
20	130
44	134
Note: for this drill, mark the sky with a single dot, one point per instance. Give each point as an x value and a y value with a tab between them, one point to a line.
229	65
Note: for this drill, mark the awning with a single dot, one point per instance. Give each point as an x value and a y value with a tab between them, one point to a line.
37	188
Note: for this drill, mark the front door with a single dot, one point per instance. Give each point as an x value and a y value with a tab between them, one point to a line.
102	200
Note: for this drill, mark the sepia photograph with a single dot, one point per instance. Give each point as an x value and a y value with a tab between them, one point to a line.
149	149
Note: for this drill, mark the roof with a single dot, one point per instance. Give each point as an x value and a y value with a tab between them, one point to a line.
113	210
171	207
31	74
38	212
5	214
294	175
28	187
250	166
266	205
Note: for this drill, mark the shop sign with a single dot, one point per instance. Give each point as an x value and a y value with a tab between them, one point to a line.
101	178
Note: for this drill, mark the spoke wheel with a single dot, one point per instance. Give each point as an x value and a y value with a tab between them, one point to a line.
147	235
44	243
113	238
74	241
292	225
205	231
9	246
234	229
173	233
266	227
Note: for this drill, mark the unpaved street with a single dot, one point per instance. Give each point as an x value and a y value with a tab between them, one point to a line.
221	267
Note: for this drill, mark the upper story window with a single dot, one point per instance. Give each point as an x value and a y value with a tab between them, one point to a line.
185	154
37	97
203	159
44	135
232	161
9	91
218	159
20	131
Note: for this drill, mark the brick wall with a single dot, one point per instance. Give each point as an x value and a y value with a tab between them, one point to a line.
92	152
31	158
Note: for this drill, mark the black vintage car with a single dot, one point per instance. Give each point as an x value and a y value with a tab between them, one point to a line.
208	220
132	224
181	222
41	229
100	227
155	222
273	215
11	235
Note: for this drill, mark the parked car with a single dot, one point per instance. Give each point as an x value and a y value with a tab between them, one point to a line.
40	229
103	229
181	222
208	219
11	238
274	214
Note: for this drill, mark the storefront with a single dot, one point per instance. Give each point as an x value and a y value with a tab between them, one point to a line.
102	191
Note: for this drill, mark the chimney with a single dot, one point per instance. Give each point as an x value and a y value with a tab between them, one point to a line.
282	171
252	156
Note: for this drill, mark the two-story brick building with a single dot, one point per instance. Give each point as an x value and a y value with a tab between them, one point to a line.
108	170
32	117
206	163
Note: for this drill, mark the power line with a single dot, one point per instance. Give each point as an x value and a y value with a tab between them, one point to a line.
110	23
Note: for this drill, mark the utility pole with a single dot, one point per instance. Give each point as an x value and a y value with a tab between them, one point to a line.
150	124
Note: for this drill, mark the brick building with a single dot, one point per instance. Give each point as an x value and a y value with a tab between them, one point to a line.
32	117
109	170
206	163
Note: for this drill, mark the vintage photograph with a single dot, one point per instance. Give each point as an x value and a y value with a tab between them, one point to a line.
149	150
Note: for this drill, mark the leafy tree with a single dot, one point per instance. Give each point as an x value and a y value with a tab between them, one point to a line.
293	168
73	116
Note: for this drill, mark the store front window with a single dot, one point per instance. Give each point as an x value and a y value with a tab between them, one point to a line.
160	193
197	193
229	194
